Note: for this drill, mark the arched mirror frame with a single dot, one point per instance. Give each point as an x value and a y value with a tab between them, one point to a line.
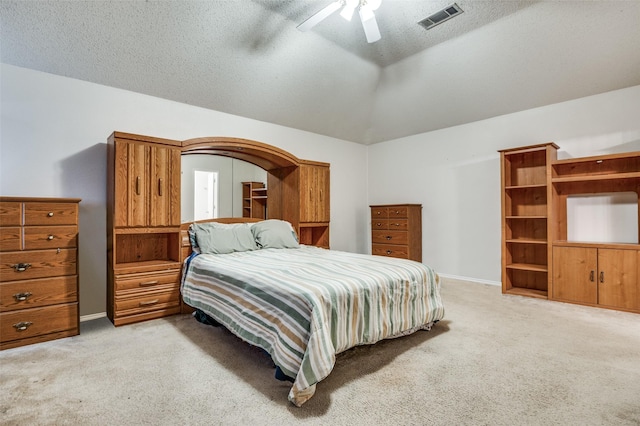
283	179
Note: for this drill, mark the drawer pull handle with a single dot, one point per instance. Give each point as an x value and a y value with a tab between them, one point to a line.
22	325
378	224
50	237
389	252
388	237
21	267
21	297
378	213
148	283
149	303
50	214
396	224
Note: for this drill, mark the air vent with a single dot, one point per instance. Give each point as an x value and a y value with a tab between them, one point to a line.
441	16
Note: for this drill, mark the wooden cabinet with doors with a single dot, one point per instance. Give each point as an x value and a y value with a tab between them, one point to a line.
143	228
38	270
526	212
301	196
146	184
597	276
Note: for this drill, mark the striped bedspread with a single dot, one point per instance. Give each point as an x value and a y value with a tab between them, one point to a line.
304	306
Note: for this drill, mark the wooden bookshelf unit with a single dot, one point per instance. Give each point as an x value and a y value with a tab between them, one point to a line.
537	258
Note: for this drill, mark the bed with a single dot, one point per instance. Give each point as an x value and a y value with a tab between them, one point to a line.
302	304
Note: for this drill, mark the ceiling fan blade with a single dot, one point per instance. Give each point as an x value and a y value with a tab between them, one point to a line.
313	20
370	25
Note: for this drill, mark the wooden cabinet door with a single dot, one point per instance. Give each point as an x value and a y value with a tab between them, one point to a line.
314	193
574	274
138	184
130	184
164	182
618	278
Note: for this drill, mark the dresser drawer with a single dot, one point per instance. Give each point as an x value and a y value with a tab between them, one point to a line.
401	211
10	213
398	224
149	282
391	251
389	237
379	223
50	237
379	212
35	293
33	322
11	238
25	265
50	214
150	301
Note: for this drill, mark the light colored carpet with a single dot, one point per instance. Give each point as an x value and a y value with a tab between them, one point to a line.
494	360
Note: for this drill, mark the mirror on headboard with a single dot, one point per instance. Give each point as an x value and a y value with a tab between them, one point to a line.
225	192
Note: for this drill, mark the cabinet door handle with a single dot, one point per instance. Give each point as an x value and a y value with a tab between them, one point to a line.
21	267
149	303
21	297
138	185
148	283
591	276
602	277
160	187
22	325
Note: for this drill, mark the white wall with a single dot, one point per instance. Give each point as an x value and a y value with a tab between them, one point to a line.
455	172
53	133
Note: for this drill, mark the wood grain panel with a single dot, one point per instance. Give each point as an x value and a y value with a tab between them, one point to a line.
50	214
38	321
10	213
618	278
40	292
10	238
50	237
43	263
574	274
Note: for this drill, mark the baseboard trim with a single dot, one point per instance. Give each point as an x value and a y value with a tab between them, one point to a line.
90	317
474	280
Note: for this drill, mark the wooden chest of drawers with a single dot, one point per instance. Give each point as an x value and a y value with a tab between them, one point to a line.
396	231
38	270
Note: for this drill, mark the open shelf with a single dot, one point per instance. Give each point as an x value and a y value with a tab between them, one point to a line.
525	210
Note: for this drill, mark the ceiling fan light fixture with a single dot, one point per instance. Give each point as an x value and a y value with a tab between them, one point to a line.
374	4
348	9
369	24
320	16
366	13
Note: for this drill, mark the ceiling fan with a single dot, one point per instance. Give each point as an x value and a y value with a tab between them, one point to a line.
365	10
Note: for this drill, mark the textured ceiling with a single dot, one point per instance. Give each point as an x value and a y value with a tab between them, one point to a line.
245	57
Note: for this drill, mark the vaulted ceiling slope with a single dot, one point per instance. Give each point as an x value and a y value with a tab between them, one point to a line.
246	57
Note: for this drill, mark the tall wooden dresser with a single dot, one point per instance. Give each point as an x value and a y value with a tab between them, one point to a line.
396	231
38	270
